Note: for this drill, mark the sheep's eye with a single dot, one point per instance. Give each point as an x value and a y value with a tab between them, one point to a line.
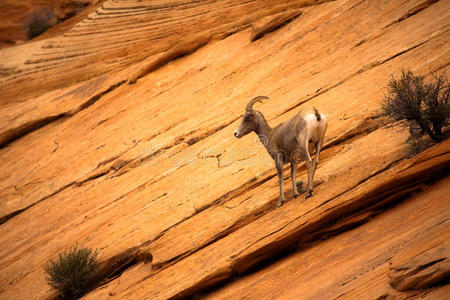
247	118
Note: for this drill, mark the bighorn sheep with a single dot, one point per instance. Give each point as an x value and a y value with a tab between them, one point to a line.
287	142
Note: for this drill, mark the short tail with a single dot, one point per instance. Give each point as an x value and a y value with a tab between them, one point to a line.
316	112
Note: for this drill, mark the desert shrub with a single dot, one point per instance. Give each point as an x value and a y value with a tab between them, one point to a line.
74	272
39	21
422	106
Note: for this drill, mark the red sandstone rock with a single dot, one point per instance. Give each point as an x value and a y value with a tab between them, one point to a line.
271	23
15	15
150	172
422	270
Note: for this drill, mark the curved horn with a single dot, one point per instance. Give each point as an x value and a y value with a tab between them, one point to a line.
254	100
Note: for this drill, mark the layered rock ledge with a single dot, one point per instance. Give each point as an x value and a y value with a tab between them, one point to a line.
150	174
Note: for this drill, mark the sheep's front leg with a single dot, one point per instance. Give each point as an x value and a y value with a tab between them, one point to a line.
279	165
294	184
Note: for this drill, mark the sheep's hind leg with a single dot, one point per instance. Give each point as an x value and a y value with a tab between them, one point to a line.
279	165
310	173
318	147
309	165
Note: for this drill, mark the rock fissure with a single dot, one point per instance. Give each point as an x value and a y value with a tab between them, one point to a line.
413	11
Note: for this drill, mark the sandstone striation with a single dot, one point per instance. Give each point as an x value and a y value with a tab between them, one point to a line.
271	23
424	269
15	16
150	174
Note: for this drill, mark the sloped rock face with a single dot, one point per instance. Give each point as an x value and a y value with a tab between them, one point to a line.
16	14
120	33
271	23
363	263
423	270
150	171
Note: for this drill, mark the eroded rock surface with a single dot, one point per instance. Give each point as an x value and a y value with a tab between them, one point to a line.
423	270
16	16
150	174
356	264
120	33
271	23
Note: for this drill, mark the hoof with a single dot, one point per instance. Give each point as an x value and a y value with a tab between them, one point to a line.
295	195
280	203
308	194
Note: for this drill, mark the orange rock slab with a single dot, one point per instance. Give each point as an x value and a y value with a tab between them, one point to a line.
152	167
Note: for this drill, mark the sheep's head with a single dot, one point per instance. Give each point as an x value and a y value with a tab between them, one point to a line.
250	119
